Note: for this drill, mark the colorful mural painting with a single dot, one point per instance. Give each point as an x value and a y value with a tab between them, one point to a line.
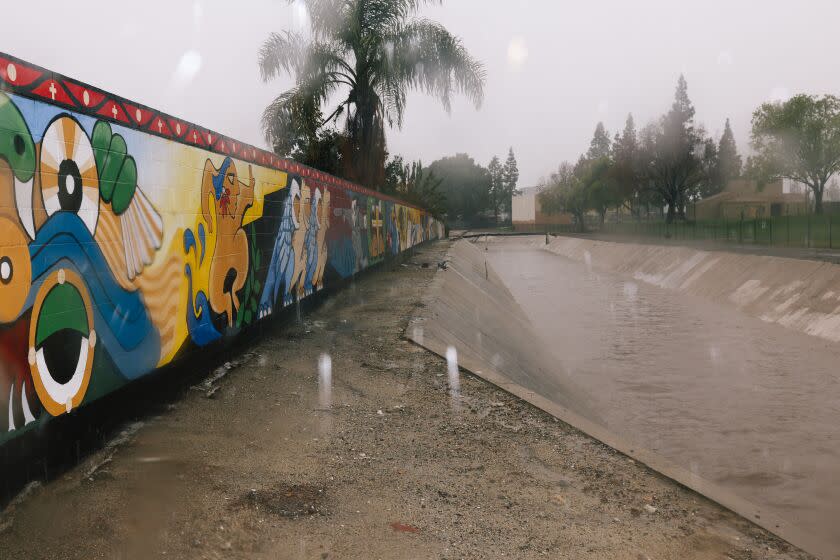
130	238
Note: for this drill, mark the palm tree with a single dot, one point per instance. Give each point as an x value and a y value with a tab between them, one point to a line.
368	54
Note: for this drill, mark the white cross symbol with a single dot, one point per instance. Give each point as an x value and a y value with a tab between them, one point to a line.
160	126
194	137
53	90
114	110
209	138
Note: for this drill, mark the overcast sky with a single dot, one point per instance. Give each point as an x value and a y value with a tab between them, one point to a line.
554	67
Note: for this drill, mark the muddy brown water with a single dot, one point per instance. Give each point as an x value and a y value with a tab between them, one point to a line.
750	406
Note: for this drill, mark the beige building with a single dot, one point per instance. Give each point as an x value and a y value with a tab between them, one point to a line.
526	213
743	199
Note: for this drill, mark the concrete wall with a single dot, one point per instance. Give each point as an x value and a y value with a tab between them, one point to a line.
526	211
130	238
803	295
523	208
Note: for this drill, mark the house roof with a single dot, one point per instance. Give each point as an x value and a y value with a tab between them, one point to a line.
757	196
530	190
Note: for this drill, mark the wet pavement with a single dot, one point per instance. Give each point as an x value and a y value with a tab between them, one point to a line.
750	406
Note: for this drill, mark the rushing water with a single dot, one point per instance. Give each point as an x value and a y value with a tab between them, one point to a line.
751	406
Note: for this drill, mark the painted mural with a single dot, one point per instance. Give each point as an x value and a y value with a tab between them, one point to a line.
129	239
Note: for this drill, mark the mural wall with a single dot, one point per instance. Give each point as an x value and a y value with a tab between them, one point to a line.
130	238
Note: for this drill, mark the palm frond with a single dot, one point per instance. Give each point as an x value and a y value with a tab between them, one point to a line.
325	58
298	105
281	53
430	58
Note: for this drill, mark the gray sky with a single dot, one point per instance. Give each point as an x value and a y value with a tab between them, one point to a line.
554	67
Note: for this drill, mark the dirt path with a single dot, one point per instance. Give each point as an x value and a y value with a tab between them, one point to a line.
380	462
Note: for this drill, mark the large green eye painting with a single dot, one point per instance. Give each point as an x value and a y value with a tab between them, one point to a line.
61	342
16	144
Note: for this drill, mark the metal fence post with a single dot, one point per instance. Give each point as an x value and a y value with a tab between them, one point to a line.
808	234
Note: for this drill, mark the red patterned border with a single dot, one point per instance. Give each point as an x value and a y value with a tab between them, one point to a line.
29	80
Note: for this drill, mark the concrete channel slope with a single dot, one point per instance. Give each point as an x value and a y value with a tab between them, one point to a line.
800	294
533	323
469	310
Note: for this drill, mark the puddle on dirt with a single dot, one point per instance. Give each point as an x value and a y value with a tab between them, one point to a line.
342	325
286	500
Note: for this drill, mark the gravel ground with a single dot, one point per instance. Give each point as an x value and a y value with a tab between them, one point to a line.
373	457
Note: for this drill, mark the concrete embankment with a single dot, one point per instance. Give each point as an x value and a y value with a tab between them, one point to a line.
470	312
584	347
799	294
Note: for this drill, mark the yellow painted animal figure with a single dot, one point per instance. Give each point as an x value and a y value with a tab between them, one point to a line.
324	218
298	238
230	198
377	242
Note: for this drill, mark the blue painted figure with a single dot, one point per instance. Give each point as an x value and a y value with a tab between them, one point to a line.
311	243
282	267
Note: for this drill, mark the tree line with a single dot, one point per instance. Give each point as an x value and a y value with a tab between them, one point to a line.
672	162
456	187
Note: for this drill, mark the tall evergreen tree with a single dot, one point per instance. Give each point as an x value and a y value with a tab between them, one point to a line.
510	176
600	145
674	155
682	109
497	186
627	143
729	161
713	180
626	165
